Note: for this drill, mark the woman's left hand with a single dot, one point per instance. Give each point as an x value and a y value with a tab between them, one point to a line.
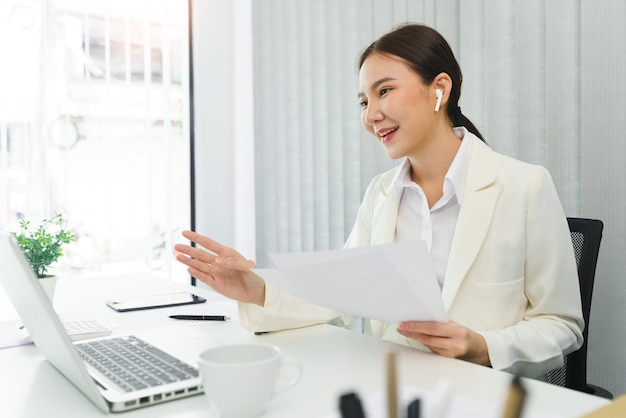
448	339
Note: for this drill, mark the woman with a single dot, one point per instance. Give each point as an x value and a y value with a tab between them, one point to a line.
496	231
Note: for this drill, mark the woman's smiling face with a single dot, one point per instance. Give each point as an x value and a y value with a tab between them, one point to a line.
396	106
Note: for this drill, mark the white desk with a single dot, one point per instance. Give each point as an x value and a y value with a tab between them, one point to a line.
335	361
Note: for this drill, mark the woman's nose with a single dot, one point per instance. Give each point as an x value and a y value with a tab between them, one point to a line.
372	114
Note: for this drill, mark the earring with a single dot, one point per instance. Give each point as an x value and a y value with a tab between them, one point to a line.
439	96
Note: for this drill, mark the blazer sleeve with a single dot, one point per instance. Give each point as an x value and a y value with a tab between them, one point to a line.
284	311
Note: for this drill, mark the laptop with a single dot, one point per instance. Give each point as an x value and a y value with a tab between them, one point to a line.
84	363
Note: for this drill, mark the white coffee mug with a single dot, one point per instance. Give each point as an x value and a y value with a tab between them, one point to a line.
239	380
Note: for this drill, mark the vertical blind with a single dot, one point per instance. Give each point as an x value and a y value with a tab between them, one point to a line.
542	81
313	159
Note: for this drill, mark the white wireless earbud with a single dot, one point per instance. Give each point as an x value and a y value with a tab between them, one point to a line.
439	95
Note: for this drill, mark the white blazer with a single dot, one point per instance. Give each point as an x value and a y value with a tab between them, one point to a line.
511	274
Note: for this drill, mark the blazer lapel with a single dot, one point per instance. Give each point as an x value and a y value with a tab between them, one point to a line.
386	214
479	201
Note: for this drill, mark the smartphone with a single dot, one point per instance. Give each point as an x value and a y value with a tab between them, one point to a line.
154	301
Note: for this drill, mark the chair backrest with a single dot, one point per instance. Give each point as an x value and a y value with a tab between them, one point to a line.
586	236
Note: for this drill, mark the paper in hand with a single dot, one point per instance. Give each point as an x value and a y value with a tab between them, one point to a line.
391	282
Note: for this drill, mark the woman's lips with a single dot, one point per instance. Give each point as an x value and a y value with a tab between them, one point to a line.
388	137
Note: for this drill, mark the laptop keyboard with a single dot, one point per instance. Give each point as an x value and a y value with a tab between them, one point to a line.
134	364
86	329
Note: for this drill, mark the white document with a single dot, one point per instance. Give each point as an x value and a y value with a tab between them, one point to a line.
391	282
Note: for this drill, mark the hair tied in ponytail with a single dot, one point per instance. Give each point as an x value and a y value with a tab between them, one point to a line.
457	115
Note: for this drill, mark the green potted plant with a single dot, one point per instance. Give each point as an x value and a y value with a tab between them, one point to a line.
43	245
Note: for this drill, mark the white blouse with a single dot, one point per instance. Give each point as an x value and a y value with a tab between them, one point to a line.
436	225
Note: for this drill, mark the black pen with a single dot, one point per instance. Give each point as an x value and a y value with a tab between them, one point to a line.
201	317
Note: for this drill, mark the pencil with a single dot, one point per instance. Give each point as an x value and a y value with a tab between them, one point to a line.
392	386
515	399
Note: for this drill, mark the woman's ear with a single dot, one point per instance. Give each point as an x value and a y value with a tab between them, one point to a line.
439	96
442	85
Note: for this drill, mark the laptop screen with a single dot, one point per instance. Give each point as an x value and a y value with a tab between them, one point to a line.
42	322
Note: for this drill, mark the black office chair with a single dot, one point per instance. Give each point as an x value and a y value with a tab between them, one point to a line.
586	236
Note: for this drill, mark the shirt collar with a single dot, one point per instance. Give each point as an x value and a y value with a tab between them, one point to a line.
458	169
455	177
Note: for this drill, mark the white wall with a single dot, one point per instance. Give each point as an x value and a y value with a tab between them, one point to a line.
603	170
223	122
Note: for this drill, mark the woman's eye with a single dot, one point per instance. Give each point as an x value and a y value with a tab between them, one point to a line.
384	91
363	103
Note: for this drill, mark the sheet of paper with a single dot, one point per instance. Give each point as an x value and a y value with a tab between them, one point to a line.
10	335
392	282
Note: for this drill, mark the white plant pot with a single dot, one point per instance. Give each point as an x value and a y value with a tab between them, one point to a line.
49	284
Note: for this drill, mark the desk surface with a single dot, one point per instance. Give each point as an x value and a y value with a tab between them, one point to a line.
335	361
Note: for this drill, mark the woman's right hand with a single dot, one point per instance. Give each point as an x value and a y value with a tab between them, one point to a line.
222	268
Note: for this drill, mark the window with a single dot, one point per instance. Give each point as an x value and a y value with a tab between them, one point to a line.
93	122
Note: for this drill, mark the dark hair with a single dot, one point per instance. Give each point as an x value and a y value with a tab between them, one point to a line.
428	54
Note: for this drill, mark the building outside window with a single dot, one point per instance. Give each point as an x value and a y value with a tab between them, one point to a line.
93	123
